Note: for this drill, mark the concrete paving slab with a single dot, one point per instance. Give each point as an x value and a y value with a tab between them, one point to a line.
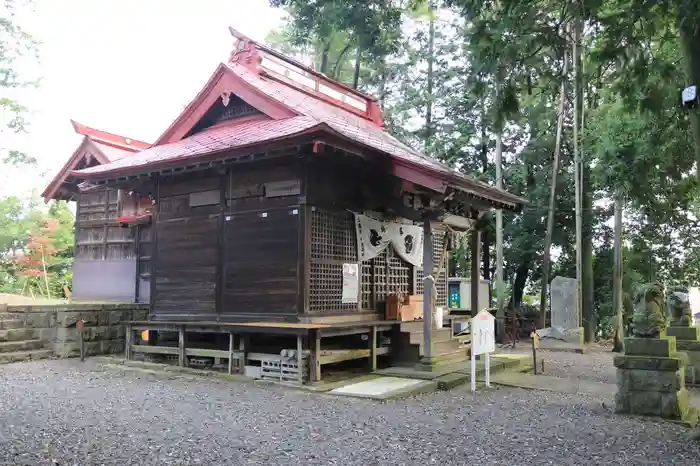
384	388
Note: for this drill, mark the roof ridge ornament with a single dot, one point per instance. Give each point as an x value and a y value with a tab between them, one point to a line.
245	51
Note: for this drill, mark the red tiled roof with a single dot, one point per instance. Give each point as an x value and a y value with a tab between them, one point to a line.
313	112
297	100
215	139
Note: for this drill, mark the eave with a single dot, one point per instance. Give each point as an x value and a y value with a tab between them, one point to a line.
70	165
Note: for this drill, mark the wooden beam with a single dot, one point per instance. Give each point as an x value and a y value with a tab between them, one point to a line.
475	247
156	349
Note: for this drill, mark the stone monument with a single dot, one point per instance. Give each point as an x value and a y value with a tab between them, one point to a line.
566	323
687	336
651	373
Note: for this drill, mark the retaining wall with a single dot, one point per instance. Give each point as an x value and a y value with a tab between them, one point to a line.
44	328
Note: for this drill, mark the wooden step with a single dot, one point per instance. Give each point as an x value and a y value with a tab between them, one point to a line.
18	334
442	347
415	352
19	356
447	359
443	334
24	345
412	326
10	323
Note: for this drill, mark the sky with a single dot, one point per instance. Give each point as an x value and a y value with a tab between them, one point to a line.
124	66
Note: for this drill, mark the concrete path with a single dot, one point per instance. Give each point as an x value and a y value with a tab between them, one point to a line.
554	384
564	385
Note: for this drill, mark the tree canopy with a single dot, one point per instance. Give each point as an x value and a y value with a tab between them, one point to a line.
456	76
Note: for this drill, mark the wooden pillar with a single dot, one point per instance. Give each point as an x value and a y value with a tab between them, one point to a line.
128	338
230	353
373	348
244	348
300	360
315	358
475	247
427	291
181	344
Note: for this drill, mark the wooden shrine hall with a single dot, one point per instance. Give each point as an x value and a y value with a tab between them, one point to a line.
288	229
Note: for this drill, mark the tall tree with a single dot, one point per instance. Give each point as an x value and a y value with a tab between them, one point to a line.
15	43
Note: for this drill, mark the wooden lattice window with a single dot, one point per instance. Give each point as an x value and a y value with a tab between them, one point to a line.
332	244
386	274
333	236
441	279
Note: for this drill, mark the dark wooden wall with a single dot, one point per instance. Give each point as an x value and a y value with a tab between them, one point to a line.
187	253
227	245
267	241
261	243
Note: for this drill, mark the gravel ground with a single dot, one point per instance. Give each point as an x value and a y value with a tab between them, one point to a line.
62	412
596	365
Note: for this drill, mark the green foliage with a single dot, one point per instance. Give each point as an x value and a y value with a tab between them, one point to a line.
14	44
498	67
36	247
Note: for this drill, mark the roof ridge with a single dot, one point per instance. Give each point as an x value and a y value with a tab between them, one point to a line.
105	137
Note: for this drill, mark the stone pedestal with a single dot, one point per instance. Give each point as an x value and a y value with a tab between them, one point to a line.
651	380
688	341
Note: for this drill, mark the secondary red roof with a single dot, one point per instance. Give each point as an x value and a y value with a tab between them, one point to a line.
212	140
97	145
292	109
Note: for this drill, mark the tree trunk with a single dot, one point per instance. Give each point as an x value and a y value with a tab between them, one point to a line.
590	318
689	27
519	284
339	62
356	74
552	197
500	288
429	85
577	174
618	343
324	57
485	237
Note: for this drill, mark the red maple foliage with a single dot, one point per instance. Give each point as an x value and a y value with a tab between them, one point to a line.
40	251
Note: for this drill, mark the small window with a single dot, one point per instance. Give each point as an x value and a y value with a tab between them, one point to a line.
205	198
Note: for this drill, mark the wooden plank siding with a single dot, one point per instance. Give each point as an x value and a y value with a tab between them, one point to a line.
227	245
186	250
261	243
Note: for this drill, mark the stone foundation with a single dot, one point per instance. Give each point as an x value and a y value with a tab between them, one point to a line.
688	341
52	329
651	380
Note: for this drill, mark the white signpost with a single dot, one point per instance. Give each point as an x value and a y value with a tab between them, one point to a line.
483	326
